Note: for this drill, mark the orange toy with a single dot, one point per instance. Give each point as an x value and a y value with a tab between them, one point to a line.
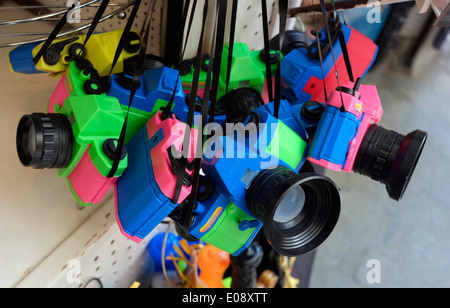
213	262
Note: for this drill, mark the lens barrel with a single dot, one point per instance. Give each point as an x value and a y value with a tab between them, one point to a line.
44	141
310	223
240	102
293	39
390	158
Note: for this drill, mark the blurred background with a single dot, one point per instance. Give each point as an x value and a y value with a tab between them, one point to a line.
409	238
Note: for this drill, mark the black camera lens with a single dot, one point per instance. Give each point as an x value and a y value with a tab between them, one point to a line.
44	141
293	39
298	211
390	158
240	103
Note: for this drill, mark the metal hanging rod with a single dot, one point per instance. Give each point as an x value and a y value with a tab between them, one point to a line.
5	22
42	7
38	18
44	36
339	6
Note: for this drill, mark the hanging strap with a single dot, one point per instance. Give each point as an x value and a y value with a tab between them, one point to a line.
126	32
221	22
62	23
340	35
191	110
186	214
191	19
231	43
265	21
134	86
196	164
348	65
52	35
96	20
211	92
283	7
169	105
327	29
319	48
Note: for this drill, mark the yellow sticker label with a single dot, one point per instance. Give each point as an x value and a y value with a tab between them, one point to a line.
67	81
211	220
358	107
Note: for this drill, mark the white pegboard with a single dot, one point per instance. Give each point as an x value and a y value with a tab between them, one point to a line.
249	26
96	251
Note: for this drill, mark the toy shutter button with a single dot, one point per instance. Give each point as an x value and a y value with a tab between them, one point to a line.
133	43
77	51
110	148
52	56
312	110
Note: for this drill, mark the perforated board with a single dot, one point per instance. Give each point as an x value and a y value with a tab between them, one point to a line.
96	250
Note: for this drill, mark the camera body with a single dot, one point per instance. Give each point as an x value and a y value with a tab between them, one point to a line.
82	128
248	69
230	164
99	50
145	193
340	132
347	138
301	69
301	118
264	183
157	85
261	154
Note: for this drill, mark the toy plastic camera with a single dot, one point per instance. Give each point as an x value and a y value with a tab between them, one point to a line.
145	194
78	136
301	68
157	86
348	139
253	159
297	210
99	50
248	70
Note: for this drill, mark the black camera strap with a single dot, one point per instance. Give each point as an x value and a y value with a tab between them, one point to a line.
63	22
231	43
196	164
327	29
180	172
191	19
96	20
136	76
125	34
208	103
274	91
344	48
265	21
219	43
319	49
169	106
341	38
53	35
283	7
340	35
